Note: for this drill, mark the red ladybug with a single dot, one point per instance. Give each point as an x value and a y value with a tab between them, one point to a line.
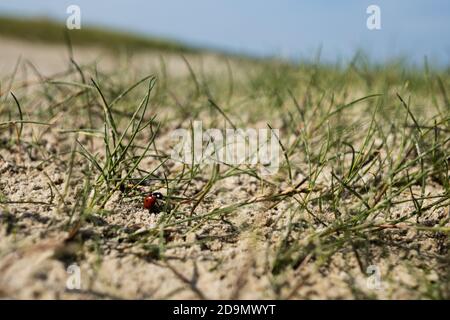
150	201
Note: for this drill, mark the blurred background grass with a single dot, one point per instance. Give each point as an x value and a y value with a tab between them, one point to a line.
49	31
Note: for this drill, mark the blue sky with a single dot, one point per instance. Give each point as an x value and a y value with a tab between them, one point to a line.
288	28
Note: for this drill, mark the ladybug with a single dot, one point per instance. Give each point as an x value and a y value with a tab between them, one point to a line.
150	201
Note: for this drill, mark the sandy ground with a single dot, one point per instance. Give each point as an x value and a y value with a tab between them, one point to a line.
36	259
49	60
